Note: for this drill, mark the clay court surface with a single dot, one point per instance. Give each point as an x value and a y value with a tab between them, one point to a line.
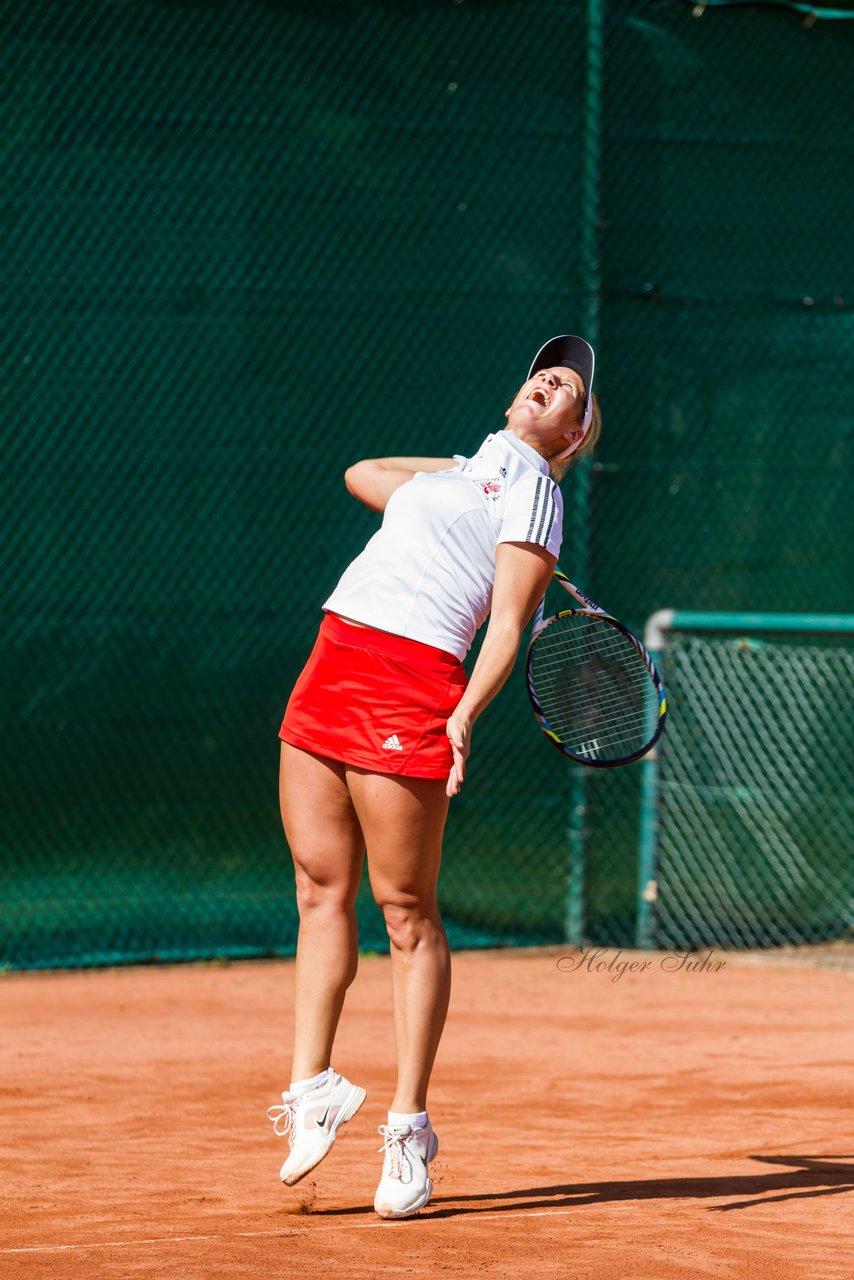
663	1126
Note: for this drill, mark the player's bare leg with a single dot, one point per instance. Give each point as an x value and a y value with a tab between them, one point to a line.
403	820
327	847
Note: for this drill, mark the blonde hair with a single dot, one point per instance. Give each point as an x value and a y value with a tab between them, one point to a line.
558	469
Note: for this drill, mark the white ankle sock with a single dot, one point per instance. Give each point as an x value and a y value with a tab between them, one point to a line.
417	1119
313	1082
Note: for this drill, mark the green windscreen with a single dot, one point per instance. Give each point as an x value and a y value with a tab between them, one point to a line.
247	243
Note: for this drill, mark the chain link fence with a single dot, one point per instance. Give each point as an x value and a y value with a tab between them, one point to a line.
757	810
245	244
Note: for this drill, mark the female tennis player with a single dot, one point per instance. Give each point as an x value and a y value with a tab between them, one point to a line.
378	729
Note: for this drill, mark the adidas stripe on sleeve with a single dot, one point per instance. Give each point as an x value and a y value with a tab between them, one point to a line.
534	513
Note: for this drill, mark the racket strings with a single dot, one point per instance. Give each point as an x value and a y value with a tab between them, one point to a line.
594	687
605	687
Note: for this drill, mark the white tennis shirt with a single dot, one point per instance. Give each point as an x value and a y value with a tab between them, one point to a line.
428	572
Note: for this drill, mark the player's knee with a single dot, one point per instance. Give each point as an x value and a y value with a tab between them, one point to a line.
321	895
410	924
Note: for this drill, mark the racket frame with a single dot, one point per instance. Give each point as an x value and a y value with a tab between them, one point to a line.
592	609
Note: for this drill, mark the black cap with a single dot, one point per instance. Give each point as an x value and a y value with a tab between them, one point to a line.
572	353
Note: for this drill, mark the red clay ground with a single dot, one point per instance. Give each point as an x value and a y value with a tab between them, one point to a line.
664	1126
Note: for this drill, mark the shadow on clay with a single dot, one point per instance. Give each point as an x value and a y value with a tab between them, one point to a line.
804	1176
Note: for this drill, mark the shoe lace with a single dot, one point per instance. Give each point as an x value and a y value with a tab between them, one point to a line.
283	1117
395	1149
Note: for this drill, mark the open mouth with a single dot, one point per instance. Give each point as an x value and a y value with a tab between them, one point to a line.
540	396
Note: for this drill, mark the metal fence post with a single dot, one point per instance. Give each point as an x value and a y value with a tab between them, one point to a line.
575	916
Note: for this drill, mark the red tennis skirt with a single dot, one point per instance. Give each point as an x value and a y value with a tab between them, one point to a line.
376	700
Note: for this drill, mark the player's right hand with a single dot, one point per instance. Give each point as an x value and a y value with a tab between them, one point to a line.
458	730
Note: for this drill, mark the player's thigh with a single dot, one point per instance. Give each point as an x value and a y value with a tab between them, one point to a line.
320	821
403	821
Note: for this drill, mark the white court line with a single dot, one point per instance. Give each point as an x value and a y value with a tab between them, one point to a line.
279	1231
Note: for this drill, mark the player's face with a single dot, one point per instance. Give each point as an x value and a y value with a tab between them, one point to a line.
552	401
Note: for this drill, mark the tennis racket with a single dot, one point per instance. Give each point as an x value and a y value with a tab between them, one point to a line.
594	688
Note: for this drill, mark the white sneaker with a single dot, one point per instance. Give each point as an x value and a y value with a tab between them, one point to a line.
405	1186
311	1121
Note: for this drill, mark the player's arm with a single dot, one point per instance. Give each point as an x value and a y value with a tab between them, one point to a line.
522	573
374	480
